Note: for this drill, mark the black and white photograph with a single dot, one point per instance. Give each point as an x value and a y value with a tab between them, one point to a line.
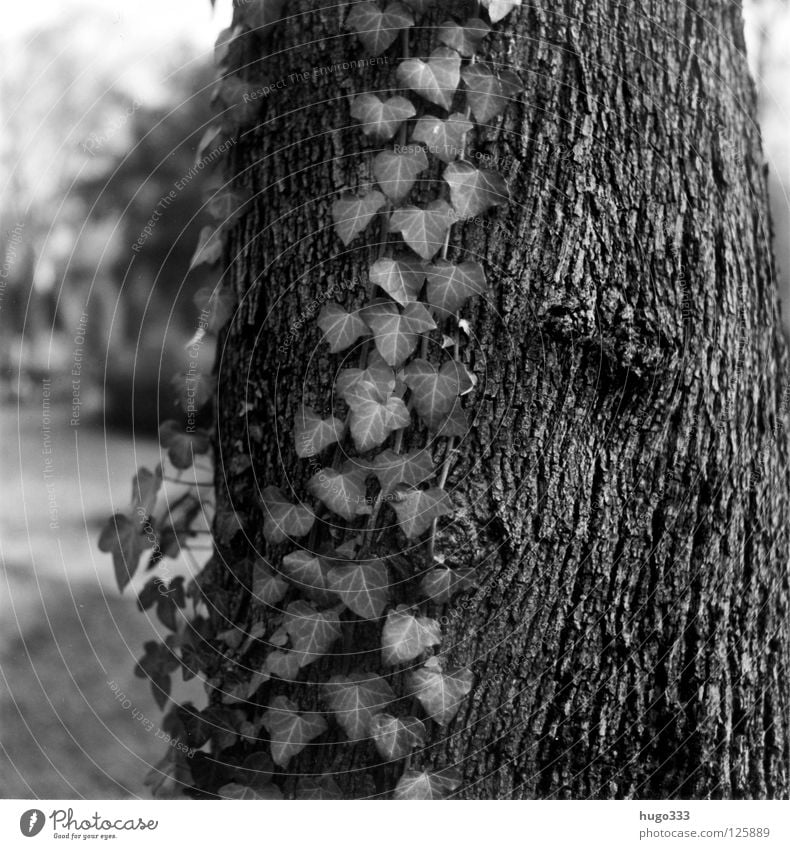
395	404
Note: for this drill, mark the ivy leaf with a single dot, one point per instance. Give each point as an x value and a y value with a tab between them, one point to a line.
417	508
435	80
145	490
307	572
312	632
314	434
290	731
378	29
444	139
450	285
424	230
182	446
372	422
240	791
474	191
465	379
341	329
226	205
498	9
396	333
156	665
352	215
465	39
342	492
125	540
400	278
426	785
439	692
381	119
355	699
433	392
284	520
410	469
282	664
395	738
440	585
375	383
325	787
487	94
363	586
396	173
406	637
209	248
267	586
454	424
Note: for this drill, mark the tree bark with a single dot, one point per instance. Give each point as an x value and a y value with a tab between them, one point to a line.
623	492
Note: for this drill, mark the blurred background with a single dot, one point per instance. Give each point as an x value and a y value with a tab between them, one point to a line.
102	106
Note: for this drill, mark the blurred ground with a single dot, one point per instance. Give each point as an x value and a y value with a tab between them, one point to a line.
65	631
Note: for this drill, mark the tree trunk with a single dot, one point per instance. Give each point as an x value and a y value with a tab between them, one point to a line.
623	493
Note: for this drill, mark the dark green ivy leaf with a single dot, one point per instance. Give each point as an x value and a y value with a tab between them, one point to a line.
352	215
440	585
283	520
355	699
424	230
451	285
396	333
433	392
440	692
487	94
377	29
400	278
314	434
405	636
465	39
474	191
436	80
290	730
324	787
444	139
417	508
410	469
312	632
267	586
363	586
396	737
341	329
343	492
425	785
181	446
396	173
498	9
381	119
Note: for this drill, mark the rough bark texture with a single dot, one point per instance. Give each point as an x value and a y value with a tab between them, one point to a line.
624	491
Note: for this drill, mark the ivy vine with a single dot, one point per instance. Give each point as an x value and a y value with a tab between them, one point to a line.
363	481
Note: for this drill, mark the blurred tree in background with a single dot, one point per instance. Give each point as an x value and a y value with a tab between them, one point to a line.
86	163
